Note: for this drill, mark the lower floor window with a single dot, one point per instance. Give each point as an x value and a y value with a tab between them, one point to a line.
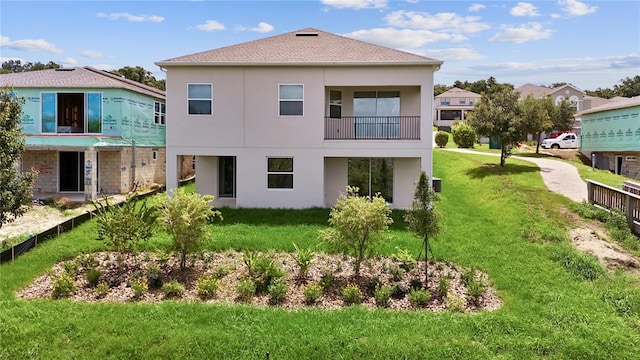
372	176
280	173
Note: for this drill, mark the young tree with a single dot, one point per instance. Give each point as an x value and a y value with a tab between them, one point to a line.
15	186
357	225
185	216
423	218
122	227
498	116
537	114
463	135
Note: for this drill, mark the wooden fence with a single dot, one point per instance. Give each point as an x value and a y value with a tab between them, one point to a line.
615	199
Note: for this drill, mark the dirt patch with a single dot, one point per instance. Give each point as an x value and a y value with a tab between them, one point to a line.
333	271
610	255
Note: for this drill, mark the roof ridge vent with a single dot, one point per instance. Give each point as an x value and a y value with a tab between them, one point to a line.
307	33
65	69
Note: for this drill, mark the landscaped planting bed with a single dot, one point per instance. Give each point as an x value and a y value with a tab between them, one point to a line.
214	277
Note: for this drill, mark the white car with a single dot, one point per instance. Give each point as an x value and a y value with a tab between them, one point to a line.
563	141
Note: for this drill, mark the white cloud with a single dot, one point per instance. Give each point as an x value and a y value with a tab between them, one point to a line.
106	67
556	16
522	34
576	8
131	18
29	45
356	4
92	54
402	38
452	54
524	9
476	7
262	28
68	62
210	25
449	22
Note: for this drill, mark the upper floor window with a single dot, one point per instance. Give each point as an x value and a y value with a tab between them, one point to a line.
160	113
280	173
71	112
573	100
462	101
471	100
335	104
445	101
291	99
200	98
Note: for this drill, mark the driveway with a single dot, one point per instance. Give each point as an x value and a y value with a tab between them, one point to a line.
558	176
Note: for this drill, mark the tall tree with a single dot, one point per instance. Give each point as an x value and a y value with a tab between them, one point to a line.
439	89
498	116
15	66
630	87
422	217
15	186
139	74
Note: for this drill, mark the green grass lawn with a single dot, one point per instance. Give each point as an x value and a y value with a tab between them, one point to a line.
490	214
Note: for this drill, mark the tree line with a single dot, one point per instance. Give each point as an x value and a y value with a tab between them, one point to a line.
134	73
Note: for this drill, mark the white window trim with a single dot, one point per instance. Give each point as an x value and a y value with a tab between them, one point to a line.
154	155
162	115
188	98
280	99
280	172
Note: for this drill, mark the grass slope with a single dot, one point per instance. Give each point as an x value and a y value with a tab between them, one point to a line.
547	311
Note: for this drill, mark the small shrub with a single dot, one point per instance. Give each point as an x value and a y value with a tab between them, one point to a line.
475	290
263	270
327	279
399	291
88	261
468	276
221	271
444	284
277	291
63	286
454	302
172	289
101	289
93	276
463	135
415	284
396	272
442	138
154	276
139	286
303	258
351	294
371	285
71	268
208	286
312	292
404	257
246	289
419	298
382	295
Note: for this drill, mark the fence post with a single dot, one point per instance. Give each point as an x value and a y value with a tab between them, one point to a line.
629	211
589	192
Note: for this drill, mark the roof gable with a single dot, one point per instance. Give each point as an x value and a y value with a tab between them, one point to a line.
303	47
78	77
457	92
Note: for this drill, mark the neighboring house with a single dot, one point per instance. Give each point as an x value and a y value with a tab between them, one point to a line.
611	136
453	105
290	120
90	132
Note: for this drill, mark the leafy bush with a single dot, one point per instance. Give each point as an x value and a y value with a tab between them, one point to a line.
442	138
208	286
468	276
312	292
277	291
419	298
399	291
139	286
327	279
475	289
221	271
101	289
246	289
464	135
382	295
172	289
396	272
63	286
357	225
404	257
351	294
581	265
263	270
303	258
88	261
71	268
444	284
454	302
154	276
186	217
93	276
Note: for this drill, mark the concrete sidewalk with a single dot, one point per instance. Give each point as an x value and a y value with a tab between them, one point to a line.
558	176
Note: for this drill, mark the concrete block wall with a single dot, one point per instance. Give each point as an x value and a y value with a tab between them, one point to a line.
46	163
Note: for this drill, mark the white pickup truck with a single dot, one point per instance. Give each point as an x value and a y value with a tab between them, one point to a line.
563	141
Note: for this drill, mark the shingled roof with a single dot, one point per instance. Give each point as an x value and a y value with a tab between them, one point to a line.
77	77
302	48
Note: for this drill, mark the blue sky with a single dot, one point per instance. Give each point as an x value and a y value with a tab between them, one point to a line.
590	44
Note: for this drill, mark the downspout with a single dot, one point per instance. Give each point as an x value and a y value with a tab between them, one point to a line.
133	164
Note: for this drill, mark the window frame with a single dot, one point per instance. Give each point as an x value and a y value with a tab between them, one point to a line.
210	99
276	172
159	115
281	99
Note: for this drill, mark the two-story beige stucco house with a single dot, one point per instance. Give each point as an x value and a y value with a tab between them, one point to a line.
289	121
453	105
